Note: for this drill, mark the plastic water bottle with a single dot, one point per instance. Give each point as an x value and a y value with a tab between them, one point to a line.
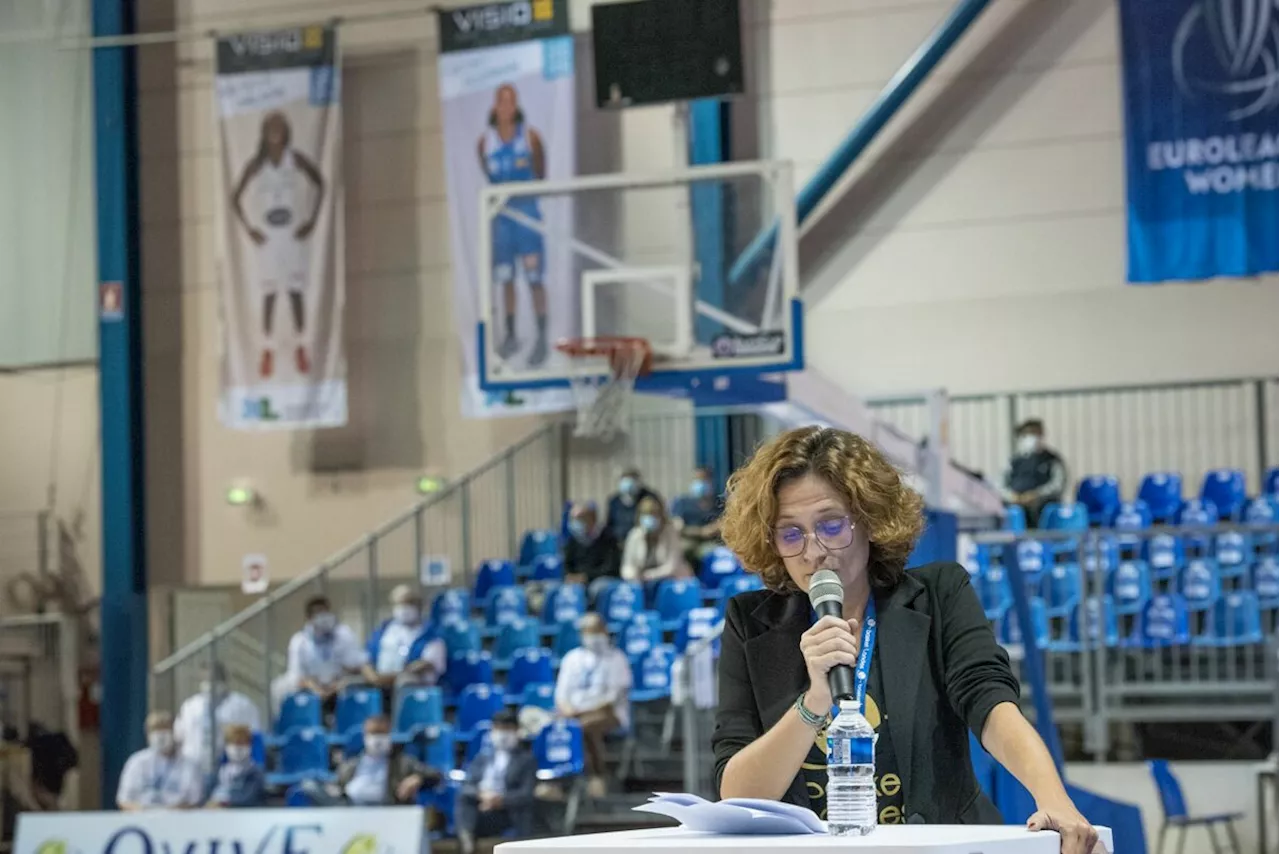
851	770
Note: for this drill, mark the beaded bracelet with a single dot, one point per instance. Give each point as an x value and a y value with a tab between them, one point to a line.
812	720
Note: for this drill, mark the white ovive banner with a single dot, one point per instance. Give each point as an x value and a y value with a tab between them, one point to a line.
342	830
281	284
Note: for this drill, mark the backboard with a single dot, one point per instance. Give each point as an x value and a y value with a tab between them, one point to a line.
662	257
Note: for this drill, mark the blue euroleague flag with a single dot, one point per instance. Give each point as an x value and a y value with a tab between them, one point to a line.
1201	85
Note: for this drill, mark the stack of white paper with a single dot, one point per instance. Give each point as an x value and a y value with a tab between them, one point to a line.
735	816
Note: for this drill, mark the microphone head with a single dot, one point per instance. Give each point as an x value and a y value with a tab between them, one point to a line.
825	586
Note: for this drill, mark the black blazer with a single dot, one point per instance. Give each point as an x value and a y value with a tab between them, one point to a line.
942	671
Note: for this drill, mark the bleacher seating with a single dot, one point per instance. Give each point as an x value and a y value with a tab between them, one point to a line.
477	704
300	710
541	695
1100	494
718	565
1271	486
1162	621
460	635
452	602
563	603
530	666
676	597
1225	490
697	623
505	605
558	750
547	568
651	673
535	544
1162	493
619	602
303	755
1068	516
490	575
468	668
417	709
642	634
514	636
355	704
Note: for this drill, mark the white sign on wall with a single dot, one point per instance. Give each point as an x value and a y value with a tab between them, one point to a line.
253	574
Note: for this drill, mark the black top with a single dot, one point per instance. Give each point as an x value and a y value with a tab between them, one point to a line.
948	673
621	517
888	780
598	558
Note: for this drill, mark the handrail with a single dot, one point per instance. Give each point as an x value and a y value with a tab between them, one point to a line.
234	622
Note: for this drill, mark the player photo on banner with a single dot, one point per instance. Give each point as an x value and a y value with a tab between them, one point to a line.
280	270
507	98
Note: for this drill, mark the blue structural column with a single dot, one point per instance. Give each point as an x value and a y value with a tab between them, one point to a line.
124	574
708	144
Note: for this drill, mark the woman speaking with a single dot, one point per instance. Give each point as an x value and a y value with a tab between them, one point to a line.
818	498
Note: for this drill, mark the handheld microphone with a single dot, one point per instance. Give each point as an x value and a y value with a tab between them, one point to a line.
826	594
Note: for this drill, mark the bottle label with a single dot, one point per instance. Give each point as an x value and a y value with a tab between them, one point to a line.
846	750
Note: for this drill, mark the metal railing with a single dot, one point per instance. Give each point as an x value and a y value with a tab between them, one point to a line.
1127	431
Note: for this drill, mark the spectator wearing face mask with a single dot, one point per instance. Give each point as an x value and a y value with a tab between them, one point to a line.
159	776
699	515
653	549
498	792
594	688
1036	474
381	775
624	504
322	655
591	552
230	707
407	648
241	782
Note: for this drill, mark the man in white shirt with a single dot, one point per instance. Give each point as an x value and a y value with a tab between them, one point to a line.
158	776
322	655
405	648
199	744
594	687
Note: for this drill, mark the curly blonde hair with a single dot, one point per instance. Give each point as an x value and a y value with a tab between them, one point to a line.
890	511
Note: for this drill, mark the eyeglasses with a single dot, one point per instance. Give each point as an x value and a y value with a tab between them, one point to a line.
831	534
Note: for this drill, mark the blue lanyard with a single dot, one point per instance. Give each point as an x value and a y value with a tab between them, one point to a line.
865	650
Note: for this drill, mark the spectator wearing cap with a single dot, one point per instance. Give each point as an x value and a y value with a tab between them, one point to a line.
624	504
323	655
498	792
198	742
241	781
591	552
406	648
698	513
1036	474
159	776
594	688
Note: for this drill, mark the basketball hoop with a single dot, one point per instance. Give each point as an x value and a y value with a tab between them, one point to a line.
603	379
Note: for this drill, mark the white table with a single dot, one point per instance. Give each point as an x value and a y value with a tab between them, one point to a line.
887	839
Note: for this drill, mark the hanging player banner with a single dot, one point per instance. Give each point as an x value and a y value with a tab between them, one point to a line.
508	102
280	271
1200	98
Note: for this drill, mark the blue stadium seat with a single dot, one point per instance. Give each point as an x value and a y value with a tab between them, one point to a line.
642	634
304	755
1015	518
460	635
541	694
1233	550
1271	484
491	575
1101	553
1132	516
1165	555
547	568
619	603
1235	620
731	587
1262	511
477	703
1097	618
1032	556
1100	494
434	747
1197	513
698	623
535	544
558	750
1061	589
1199	584
300	710
718	564
995	592
355	704
1266	582
530	667
468	668
676	597
1011	636
1067	516
565	639
417	708
1130	586
1162	622
1162	493
563	603
479	741
1225	490
513	637
651	674
505	605
450	603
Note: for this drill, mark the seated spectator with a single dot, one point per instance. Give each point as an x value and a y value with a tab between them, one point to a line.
591	552
323	654
594	687
498	792
230	707
623	504
382	775
1036	474
699	516
159	776
241	781
406	648
652	551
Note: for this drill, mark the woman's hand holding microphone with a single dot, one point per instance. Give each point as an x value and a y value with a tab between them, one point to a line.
828	642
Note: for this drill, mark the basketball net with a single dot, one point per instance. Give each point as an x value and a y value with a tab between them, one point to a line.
603	382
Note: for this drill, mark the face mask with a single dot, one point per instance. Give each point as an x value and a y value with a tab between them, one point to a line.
699	489
160	740
504	741
238	752
649	523
378	745
595	642
578	527
628	486
324	623
1027	444
407	614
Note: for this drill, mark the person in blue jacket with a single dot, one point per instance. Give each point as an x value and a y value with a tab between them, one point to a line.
406	648
240	782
